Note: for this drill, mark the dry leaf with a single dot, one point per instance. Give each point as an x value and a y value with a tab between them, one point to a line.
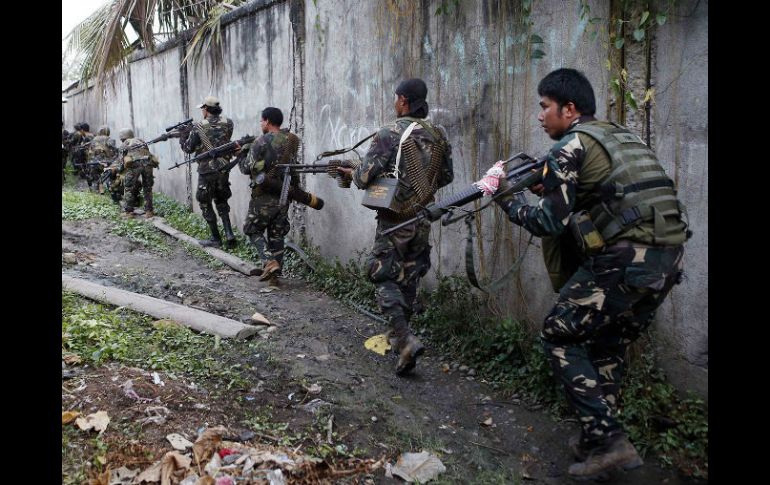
97	421
69	416
205	480
420	467
101	479
314	389
71	359
207	443
487	422
378	343
173	467
151	474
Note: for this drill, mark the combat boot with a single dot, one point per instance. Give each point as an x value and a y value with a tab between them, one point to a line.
128	215
149	214
618	453
229	236
578	451
215	240
269	269
406	345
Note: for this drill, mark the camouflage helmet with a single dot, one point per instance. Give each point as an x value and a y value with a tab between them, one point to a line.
125	134
104	130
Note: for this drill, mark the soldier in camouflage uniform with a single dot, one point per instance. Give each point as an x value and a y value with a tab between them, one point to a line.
138	163
213	178
398	261
79	155
102	150
265	214
65	141
612	232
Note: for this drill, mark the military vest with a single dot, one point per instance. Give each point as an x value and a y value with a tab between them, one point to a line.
603	176
636	200
134	156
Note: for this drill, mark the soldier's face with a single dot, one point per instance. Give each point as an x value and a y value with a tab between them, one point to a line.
263	125
554	120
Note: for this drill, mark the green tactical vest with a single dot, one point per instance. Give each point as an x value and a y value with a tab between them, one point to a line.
637	193
628	167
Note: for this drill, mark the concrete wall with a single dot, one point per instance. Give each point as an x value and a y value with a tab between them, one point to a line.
333	73
681	133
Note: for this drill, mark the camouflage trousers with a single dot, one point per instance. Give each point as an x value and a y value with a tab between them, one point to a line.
132	185
604	307
116	188
266	216
395	266
93	172
213	187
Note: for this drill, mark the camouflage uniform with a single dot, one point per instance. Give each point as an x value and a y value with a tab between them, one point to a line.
398	261
65	141
117	177
606	300
103	150
265	212
79	154
213	185
138	163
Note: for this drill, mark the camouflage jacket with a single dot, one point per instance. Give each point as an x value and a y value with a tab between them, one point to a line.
133	155
263	154
79	139
380	160
219	130
102	148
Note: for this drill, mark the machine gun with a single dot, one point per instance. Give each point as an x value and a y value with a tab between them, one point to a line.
220	151
520	177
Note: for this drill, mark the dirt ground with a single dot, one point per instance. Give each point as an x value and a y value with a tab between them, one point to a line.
318	340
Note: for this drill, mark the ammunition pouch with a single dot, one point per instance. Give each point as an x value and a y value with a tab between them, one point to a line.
588	238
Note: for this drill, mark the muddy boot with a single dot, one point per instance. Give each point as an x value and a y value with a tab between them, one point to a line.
618	453
273	282
149	214
269	269
406	345
229	236
127	214
216	239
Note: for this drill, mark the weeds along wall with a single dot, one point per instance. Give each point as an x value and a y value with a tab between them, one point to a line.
331	66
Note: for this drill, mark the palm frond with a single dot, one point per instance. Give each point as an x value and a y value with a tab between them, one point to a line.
208	37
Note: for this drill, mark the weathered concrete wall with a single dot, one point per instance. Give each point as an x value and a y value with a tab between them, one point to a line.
157	103
482	88
680	120
256	72
333	76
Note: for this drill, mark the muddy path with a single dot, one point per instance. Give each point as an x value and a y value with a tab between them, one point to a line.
320	340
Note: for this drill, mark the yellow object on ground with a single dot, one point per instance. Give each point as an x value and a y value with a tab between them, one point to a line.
378	343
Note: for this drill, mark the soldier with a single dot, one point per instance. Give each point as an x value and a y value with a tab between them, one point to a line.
81	137
213	182
102	150
265	214
138	163
614	266
397	262
117	171
65	141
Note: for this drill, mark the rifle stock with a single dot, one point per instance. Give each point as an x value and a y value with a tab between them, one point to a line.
220	151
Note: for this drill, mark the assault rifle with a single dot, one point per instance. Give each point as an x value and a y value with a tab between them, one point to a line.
520	177
220	151
173	131
327	168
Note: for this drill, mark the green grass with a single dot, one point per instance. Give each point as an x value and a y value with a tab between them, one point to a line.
79	205
98	334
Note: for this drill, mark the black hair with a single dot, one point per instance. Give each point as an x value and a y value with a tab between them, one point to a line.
214	110
85	126
77	126
273	116
569	85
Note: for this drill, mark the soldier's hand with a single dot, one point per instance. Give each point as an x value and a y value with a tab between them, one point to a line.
345	172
